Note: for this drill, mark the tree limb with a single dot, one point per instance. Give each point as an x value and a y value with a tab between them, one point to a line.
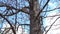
51	25
24	9
21	10
42	9
51	16
52	9
9	24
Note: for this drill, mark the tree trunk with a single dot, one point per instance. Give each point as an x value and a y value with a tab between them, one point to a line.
35	26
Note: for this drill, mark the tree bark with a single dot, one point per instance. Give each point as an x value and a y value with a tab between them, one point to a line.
35	25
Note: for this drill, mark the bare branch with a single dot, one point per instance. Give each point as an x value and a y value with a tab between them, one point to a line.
11	7
52	9
51	16
42	9
9	23
21	10
51	25
7	30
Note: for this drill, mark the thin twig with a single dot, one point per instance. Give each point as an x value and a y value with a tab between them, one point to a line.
51	25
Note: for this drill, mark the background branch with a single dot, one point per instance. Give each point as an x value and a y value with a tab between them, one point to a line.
9	23
51	25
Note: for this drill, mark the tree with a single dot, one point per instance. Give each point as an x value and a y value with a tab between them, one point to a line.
32	9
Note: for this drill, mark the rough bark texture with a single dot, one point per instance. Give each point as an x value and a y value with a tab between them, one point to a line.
35	26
